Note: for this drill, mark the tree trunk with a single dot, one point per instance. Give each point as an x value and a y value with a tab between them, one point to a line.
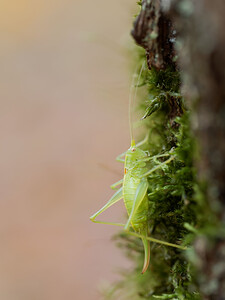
184	42
199	28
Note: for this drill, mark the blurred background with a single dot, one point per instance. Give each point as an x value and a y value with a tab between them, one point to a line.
64	118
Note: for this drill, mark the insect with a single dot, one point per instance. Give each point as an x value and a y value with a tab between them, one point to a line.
133	191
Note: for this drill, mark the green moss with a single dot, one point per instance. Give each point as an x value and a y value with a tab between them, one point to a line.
171	197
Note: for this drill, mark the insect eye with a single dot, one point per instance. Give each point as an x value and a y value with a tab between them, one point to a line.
133	149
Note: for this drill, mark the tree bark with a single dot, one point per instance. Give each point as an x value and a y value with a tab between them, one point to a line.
153	31
202	59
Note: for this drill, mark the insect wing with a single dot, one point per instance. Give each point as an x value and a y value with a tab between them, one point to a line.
139	196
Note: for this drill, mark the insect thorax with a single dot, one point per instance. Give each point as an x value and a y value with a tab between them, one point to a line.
134	161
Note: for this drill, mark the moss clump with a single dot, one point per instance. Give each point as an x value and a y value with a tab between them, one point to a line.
172	207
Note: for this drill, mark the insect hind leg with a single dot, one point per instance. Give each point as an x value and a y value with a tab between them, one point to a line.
108	223
156	240
115	198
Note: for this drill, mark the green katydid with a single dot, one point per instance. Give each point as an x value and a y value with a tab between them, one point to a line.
134	191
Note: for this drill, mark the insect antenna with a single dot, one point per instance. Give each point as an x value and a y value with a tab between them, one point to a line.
132	98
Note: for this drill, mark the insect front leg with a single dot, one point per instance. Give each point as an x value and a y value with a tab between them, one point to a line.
158	167
148	158
120	158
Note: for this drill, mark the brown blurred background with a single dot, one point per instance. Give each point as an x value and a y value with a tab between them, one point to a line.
64	103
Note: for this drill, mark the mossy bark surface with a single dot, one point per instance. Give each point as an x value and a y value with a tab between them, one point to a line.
184	112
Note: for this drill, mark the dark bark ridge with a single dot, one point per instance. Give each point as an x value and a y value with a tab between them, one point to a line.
153	31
